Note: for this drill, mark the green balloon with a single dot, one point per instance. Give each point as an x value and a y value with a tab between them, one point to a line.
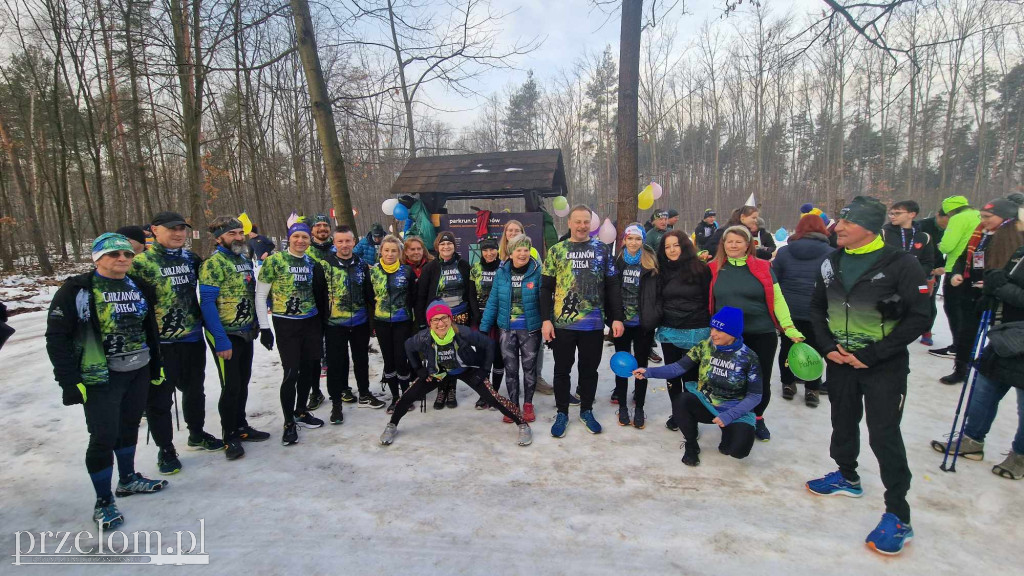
805	362
560	203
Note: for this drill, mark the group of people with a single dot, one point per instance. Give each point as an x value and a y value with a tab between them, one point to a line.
125	336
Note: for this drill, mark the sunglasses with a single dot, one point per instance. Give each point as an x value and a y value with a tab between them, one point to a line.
118	253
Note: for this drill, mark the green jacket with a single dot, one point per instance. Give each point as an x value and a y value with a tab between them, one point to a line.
958	232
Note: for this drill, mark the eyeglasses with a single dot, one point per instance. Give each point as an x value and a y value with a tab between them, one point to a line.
440	320
897	212
119	253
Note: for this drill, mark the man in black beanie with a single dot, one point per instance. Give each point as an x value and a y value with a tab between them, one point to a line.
870	302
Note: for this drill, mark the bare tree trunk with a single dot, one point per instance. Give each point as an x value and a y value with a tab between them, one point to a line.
188	61
323	114
626	128
35	231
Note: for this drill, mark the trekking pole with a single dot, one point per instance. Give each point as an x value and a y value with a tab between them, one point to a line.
972	377
177	419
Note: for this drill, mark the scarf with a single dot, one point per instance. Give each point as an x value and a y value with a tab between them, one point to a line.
632	259
390	269
978	241
876	244
731	347
443	340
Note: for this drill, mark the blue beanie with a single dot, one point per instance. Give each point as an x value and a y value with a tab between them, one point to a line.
729	320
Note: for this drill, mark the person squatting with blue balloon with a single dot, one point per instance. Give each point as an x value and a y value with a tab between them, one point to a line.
728	388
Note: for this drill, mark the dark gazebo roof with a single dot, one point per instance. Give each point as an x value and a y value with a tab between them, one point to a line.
490	175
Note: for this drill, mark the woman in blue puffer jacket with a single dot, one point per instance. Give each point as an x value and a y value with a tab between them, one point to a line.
796	266
514	306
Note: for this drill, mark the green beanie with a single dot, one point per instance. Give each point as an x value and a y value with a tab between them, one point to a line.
865	211
954	202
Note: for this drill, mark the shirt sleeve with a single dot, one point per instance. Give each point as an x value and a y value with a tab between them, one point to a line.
211	316
263	283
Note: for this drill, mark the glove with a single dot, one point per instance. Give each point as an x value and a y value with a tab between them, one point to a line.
73	394
994	280
158	380
267	338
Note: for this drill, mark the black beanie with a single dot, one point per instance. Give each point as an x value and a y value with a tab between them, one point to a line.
1002	207
488	243
865	211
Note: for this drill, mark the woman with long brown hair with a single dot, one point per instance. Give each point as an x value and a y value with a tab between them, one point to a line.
415	254
740	280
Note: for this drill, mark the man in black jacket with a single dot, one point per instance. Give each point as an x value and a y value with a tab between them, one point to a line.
101	336
870	302
705	229
935	226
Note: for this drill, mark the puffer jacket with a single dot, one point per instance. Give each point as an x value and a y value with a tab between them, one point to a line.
499	304
367	250
1011	309
796	267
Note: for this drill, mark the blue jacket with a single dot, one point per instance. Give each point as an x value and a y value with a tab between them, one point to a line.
367	250
499	303
796	267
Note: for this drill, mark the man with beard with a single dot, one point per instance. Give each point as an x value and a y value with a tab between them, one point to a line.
321	247
227	293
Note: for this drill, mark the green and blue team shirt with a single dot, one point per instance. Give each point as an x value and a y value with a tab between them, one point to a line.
451	287
233	277
391	293
482	275
121	310
580	270
346	297
174	276
517	313
291	284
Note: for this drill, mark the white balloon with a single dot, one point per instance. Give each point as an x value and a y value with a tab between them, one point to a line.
388	206
391	229
562	213
595	221
607	232
656	188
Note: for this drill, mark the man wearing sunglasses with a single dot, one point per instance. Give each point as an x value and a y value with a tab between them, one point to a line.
173	272
101	336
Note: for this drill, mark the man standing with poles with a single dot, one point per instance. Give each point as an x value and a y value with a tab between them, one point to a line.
870	302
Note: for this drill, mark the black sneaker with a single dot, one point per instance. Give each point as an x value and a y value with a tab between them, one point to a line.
167	461
638	418
691	454
623	415
337	417
438	402
574	399
947	352
761	431
788	391
291	434
481	404
451	401
347	397
206	442
316	398
955	378
249	434
370	401
391	407
308	420
234	449
671	424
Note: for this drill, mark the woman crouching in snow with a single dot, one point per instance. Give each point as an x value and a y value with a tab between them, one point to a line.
442	350
729	387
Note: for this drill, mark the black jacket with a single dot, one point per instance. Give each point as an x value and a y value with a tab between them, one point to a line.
475	350
702	233
918	244
796	267
681	304
887	308
427	288
765	248
1011	309
67	331
932	228
259	246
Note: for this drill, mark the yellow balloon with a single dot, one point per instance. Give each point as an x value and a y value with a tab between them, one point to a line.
646	199
246	223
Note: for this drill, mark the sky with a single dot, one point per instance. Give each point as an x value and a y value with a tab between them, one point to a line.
570	29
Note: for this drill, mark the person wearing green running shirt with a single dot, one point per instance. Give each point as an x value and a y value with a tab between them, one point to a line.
295	284
227	294
173	272
321	246
101	337
956	300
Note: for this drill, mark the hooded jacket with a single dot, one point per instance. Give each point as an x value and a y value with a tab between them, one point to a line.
73	330
886	309
796	267
473	349
367	249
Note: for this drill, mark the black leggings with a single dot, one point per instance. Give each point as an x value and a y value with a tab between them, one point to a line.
184	365
474	377
112	414
636	341
675	385
688	410
785	374
339	340
391	337
234	383
299	342
764	345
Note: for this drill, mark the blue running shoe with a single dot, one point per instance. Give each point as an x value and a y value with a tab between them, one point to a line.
106	513
833	484
561	423
593	426
889	536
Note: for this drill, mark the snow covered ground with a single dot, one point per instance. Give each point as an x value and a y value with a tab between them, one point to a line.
455	495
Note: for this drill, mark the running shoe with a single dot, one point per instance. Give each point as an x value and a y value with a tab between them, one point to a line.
370	401
138	484
308	420
833	484
587	417
106	514
206	442
890	535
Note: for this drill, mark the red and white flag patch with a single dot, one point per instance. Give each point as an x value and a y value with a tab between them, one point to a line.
923	289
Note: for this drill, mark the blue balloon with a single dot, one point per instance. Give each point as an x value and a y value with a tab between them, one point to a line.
623	364
781	234
401	212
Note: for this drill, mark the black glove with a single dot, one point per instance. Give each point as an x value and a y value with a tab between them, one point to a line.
267	338
73	394
994	280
